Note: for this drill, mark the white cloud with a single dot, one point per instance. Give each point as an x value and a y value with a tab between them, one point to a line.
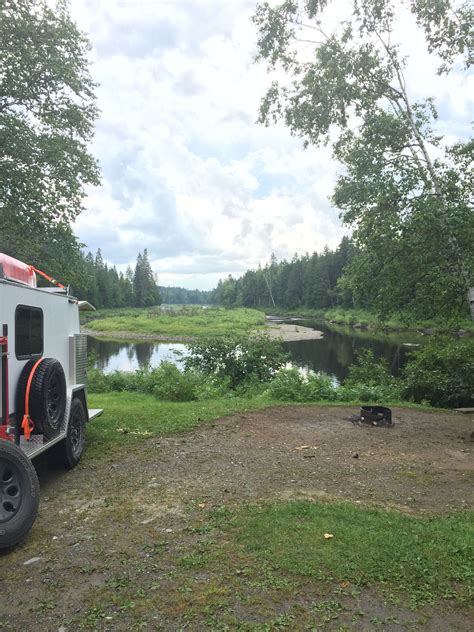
187	173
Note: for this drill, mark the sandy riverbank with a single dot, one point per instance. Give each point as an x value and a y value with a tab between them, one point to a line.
292	333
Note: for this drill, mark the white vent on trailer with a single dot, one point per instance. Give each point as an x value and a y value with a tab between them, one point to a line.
78	358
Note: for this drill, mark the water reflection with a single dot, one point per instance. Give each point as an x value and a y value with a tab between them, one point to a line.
124	355
337	350
332	354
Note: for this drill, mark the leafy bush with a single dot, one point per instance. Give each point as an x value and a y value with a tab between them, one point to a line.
370	380
441	373
294	385
173	385
369	371
166	382
237	359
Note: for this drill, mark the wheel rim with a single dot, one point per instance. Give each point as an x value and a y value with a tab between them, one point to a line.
76	433
10	490
53	398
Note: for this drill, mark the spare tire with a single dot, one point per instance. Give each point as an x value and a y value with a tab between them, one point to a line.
47	396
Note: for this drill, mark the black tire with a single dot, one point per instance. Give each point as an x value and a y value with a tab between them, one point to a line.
19	494
70	450
47	396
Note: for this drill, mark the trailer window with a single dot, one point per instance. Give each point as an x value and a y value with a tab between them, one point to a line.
28	332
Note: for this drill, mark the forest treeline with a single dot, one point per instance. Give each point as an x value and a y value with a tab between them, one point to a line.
183	296
310	281
104	286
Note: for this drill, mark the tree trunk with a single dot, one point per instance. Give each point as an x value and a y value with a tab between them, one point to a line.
470	300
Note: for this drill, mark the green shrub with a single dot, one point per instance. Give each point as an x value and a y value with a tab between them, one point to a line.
369	371
166	382
294	385
97	381
210	387
171	384
237	359
369	394
441	373
369	380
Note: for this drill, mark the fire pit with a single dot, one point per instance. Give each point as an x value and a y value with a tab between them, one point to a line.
376	415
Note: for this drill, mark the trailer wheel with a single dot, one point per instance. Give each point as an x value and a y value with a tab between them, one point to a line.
19	494
70	450
47	396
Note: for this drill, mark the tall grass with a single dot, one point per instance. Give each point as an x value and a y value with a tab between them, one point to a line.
186	322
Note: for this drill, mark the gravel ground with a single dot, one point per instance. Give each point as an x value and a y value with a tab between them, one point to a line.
127	518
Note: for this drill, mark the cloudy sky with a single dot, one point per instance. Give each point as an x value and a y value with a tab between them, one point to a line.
187	172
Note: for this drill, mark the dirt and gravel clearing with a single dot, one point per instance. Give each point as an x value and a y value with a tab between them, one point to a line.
129	518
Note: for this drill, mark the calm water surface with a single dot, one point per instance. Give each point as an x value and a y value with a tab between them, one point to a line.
332	354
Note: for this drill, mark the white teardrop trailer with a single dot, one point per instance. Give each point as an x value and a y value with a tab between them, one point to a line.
43	392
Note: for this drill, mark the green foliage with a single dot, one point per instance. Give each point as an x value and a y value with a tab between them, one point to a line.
239	359
173	385
442	373
295	385
166	382
304	282
187	321
47	114
145	290
182	296
368	370
370	380
411	212
424	559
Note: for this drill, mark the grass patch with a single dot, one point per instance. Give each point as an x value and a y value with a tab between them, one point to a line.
130	418
186	322
425	559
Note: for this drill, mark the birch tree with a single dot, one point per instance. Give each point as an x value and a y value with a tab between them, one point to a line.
406	194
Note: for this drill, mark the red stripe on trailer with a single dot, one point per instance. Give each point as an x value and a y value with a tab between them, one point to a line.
16	270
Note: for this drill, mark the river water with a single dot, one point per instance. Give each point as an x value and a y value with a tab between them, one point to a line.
332	354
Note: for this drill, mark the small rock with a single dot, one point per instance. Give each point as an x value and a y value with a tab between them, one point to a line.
32	560
168	530
355	456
